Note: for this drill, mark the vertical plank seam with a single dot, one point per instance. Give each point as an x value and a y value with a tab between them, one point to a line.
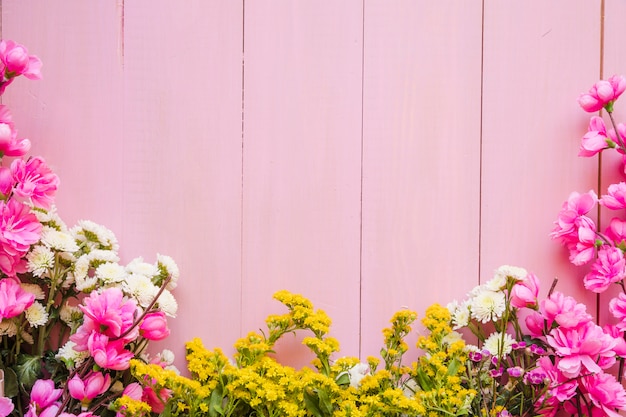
599	168
241	207
480	138
361	196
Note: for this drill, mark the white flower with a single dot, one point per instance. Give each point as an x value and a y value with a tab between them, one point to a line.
34	289
141	288
170	268
461	315
138	266
166	356
59	241
357	373
497	283
101	256
70	315
167	303
111	272
71	357
40	260
50	218
497	345
511	271
451	338
487	305
36	315
95	235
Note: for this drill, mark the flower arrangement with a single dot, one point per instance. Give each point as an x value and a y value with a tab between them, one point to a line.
503	351
71	316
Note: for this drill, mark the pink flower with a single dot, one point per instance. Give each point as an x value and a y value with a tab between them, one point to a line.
9	144
605	392
616	197
606	270
617	307
602	94
17	61
34	180
43	396
583	250
616	230
13	299
561	387
6	406
596	138
525	292
580	347
109	313
133	390
564	310
154	326
109	354
89	388
573	216
19	228
535	323
155	400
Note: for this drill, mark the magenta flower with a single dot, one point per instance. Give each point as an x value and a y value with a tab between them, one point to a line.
573	216
564	310
19	228
607	269
43	397
6	406
596	139
605	392
617	307
584	249
535	323
9	144
13	299
616	230
156	400
561	387
154	326
109	313
616	197
17	61
89	388
602	94
580	347
109	354
525	292
34	180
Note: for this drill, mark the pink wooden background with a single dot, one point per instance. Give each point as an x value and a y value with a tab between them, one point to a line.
369	154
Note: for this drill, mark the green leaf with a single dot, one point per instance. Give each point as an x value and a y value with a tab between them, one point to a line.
215	403
343	379
453	367
10	383
28	369
325	404
311	403
423	380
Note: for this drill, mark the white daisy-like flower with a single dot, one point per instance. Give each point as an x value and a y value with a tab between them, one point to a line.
451	338
499	345
167	264
93	233
166	356
461	315
50	218
167	303
40	260
71	357
81	267
487	305
141	288
36	314
8	327
111	272
138	266
357	373
70	315
101	256
515	272
497	283
172	368
85	283
59	241
34	289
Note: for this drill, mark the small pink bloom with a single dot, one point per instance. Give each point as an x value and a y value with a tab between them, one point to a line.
602	93
6	406
89	388
573	216
596	138
34	180
19	228
583	250
9	144
154	326
606	270
616	230
17	61
43	393
13	299
617	307
561	387
155	400
616	197
605	392
525	292
535	323
109	312
133	390
564	310
109	354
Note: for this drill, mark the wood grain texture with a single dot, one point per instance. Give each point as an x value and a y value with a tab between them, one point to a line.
421	158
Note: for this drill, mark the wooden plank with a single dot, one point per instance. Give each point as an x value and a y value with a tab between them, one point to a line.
181	159
421	157
538	57
302	141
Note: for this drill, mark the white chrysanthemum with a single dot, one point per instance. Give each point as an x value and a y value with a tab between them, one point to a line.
34	289
138	266
93	233
36	315
71	357
8	327
357	373
170	268
167	303
40	260
141	288
497	283
85	283
59	241
166	356
487	305
81	267
101	256
111	272
497	345
172	368
50	218
451	338
461	316
70	315
515	272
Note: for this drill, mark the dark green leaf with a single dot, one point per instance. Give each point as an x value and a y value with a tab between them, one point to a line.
311	403
325	405
10	383
28	369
